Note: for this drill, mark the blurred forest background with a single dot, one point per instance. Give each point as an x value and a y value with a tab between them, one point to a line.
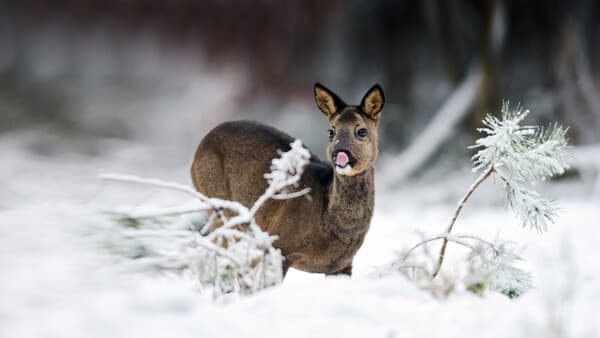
163	73
131	87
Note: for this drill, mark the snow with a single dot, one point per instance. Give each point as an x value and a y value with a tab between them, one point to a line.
58	280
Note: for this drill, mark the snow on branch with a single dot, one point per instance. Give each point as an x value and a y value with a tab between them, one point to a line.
285	172
236	256
523	156
520	156
497	269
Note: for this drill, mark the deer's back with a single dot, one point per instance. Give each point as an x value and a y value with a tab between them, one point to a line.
230	163
231	160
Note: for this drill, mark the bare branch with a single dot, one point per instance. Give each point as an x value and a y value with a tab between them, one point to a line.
447	238
461	205
283	196
215	203
490	244
154	213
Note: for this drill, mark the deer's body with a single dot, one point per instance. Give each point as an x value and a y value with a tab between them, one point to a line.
320	232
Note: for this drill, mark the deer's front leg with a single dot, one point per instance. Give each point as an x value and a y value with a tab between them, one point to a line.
285	265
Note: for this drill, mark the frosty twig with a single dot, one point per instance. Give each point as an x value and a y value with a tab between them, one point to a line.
237	256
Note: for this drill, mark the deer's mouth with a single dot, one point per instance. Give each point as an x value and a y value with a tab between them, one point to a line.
343	160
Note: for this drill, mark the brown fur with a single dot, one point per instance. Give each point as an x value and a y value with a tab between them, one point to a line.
320	232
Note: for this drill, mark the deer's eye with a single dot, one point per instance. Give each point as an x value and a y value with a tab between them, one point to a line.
362	132
331	133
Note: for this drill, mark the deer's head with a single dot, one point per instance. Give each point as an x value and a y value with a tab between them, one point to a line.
352	130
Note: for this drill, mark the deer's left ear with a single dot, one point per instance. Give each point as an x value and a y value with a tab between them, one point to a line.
327	101
373	102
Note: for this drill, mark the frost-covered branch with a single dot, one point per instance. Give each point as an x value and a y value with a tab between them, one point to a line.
521	157
149	213
215	204
446	237
488	266
236	256
285	172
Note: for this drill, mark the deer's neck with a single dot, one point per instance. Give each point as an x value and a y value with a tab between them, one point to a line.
351	199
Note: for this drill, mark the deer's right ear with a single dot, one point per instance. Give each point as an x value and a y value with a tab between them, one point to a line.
327	101
373	102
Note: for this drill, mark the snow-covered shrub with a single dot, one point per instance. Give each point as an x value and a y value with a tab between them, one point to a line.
235	257
519	157
495	267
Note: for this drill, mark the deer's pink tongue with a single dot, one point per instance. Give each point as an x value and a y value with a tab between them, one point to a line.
341	159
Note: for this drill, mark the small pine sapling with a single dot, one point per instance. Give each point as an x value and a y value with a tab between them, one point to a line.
519	156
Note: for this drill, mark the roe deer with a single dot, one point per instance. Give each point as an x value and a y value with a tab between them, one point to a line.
320	232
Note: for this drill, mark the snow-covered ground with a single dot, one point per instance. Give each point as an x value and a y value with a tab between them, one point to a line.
57	279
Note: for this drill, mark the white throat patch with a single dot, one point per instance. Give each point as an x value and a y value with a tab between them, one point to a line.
343	171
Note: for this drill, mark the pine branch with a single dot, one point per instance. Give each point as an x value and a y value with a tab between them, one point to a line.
521	157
